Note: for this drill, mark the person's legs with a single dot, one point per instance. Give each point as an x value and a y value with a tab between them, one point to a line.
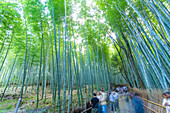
104	108
115	105
108	104
118	105
111	106
99	108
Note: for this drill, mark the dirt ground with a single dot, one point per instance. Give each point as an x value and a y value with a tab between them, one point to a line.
9	102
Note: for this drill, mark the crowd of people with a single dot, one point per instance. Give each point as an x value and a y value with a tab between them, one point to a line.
99	102
102	100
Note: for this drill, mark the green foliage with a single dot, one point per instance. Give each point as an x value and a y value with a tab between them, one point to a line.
116	61
9	106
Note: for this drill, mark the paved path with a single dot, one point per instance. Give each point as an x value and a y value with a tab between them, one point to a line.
125	107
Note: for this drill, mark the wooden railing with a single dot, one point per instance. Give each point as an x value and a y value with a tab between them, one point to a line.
152	107
86	110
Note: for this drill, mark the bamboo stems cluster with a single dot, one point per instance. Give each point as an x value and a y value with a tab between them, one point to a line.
55	61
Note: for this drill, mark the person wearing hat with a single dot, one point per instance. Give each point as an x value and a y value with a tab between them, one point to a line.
94	101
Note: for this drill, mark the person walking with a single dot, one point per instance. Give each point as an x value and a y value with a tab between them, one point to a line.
112	100
94	102
99	104
116	103
137	104
104	101
166	101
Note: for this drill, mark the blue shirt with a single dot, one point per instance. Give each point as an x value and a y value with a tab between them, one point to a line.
111	97
116	96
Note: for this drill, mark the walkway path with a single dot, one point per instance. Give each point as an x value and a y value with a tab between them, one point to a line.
125	107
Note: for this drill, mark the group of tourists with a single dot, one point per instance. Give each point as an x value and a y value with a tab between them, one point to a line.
99	102
166	101
114	101
102	100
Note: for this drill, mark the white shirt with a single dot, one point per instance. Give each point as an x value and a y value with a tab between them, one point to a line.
168	102
165	101
167	109
116	96
111	97
103	98
99	97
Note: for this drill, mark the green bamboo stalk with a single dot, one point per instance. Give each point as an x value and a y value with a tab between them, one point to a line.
2	73
44	66
6	54
6	74
30	65
2	45
16	76
77	70
25	68
89	62
34	77
10	74
65	74
18	82
39	77
46	76
52	71
57	73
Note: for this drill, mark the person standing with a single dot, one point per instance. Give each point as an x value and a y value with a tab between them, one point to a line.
166	101
116	104
99	104
112	100
104	101
137	104
94	102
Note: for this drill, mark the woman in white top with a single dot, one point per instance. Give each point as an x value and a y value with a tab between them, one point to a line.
166	101
99	104
99	96
103	101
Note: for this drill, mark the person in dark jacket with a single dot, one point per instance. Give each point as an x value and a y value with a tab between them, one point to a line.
94	102
137	104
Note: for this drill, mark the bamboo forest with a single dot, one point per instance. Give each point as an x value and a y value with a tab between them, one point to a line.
54	54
